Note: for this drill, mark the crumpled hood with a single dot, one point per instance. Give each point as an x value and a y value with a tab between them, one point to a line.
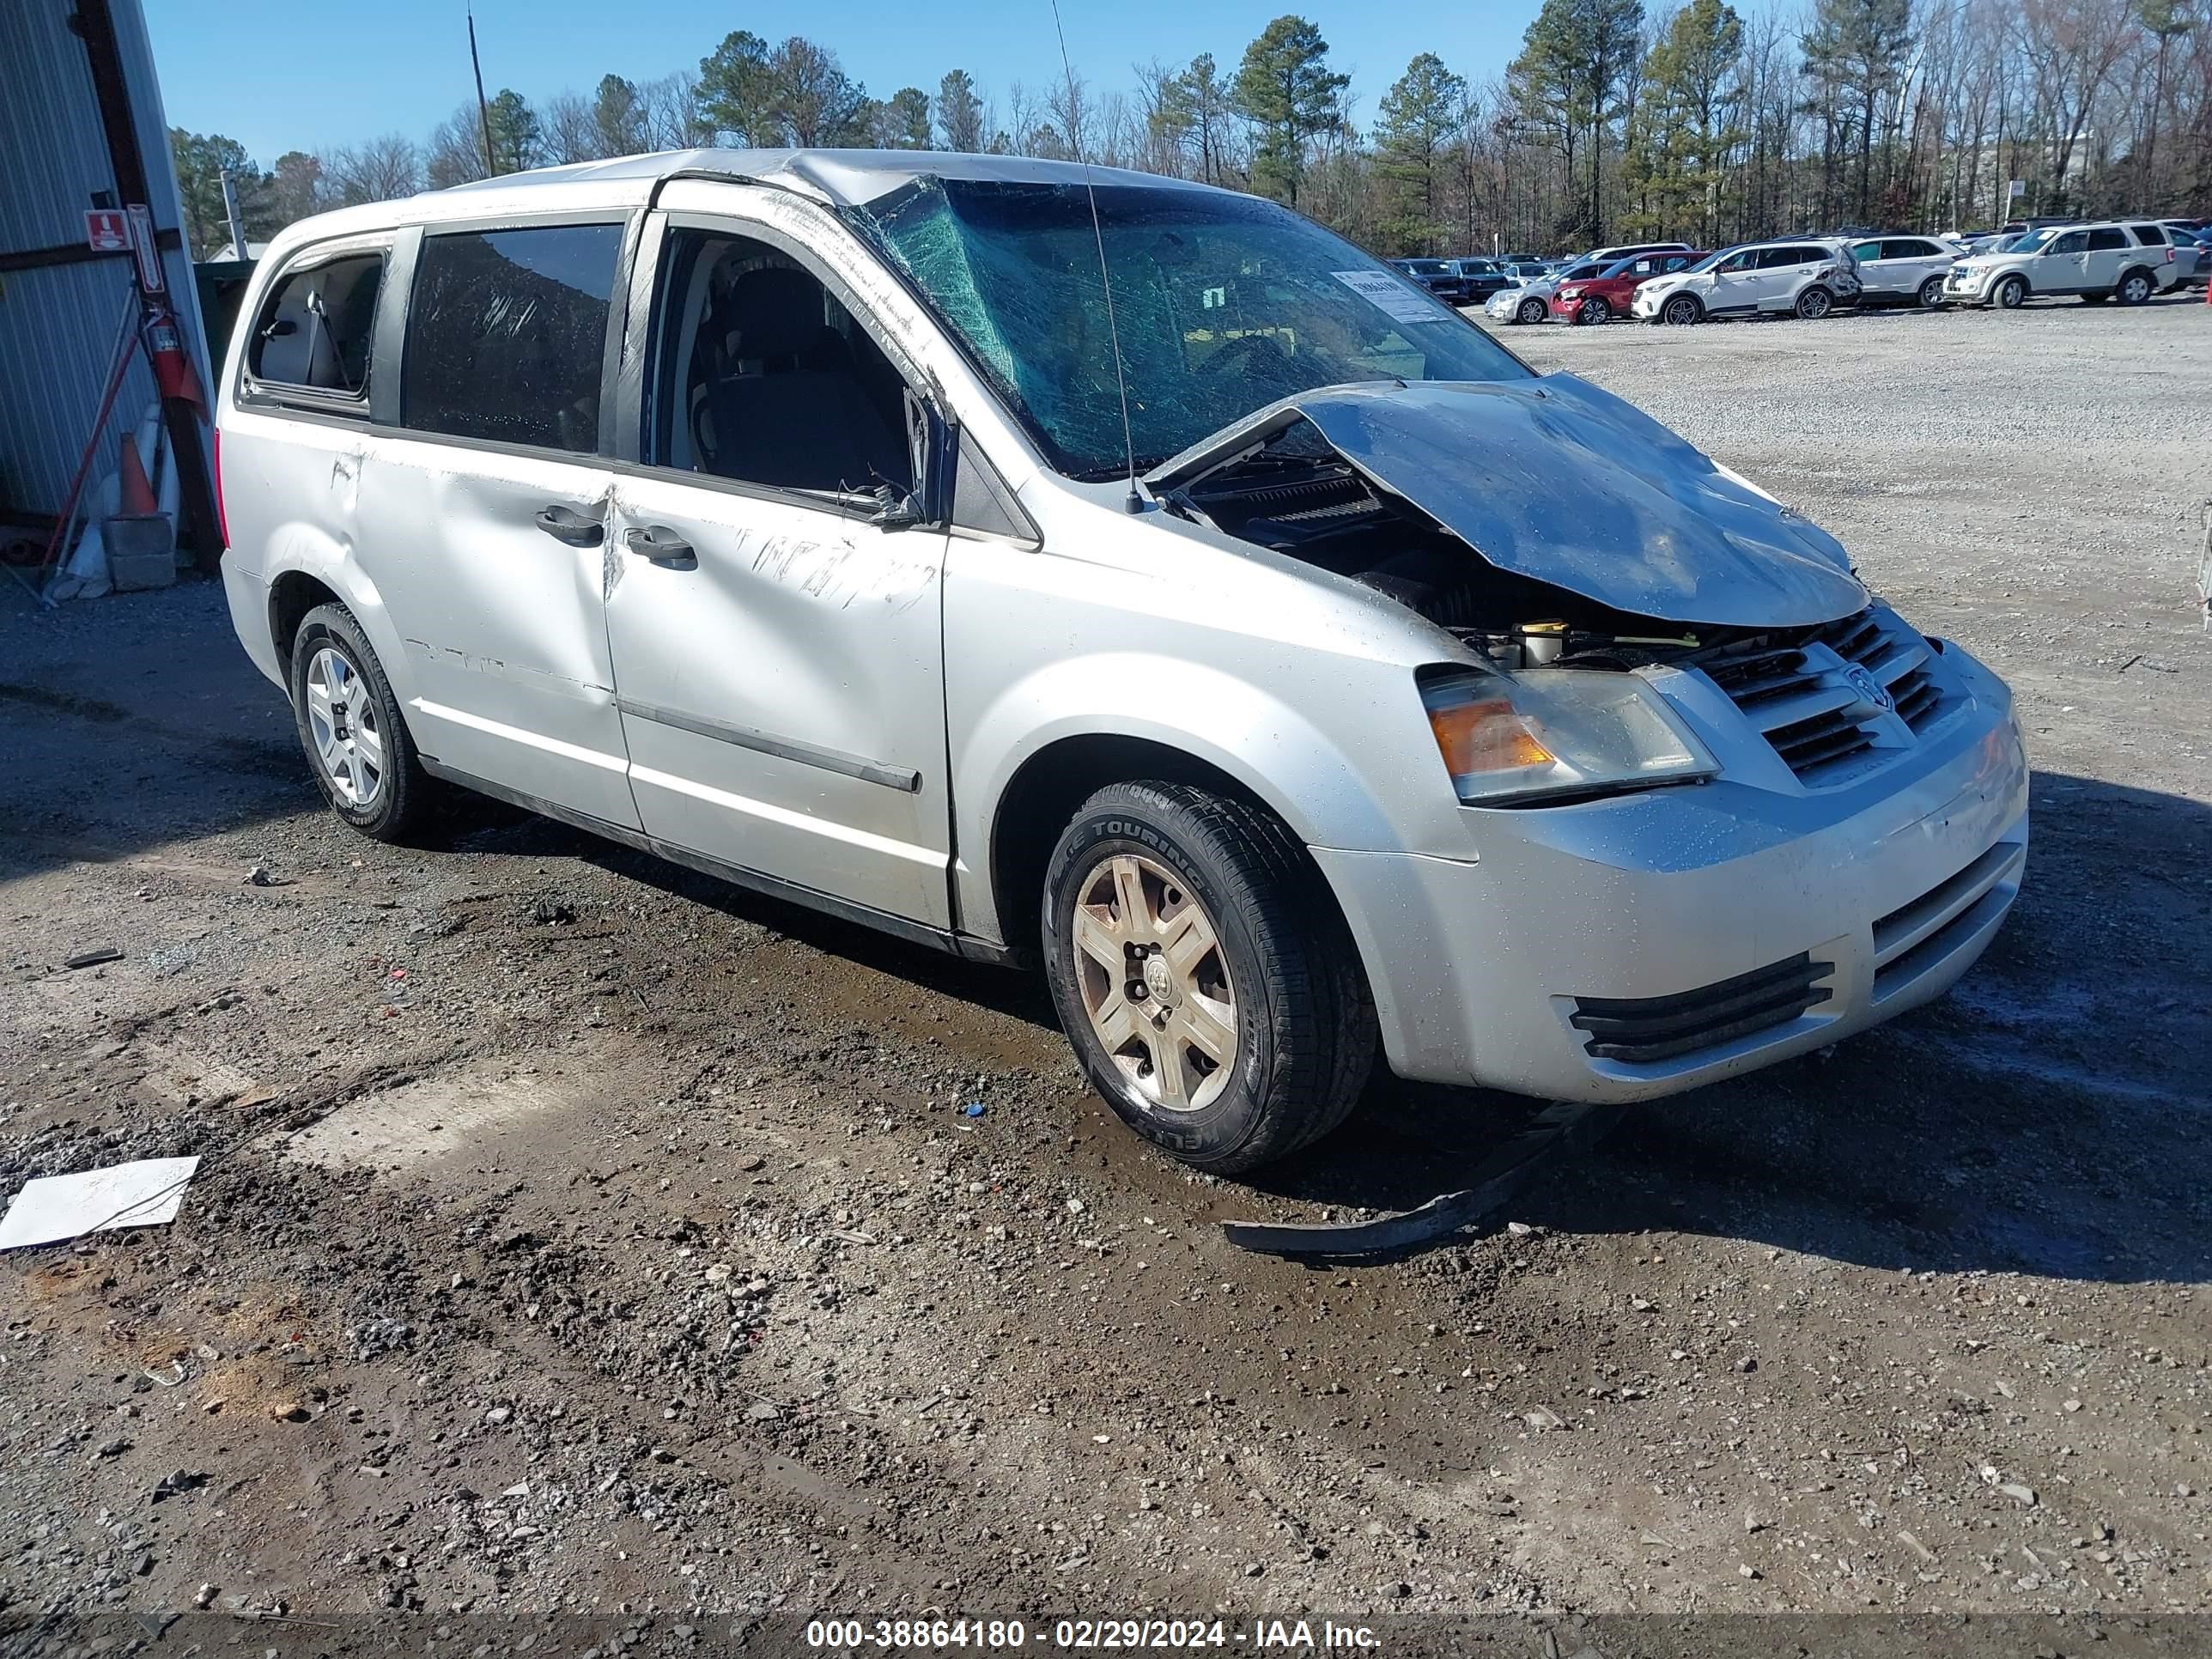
1555	479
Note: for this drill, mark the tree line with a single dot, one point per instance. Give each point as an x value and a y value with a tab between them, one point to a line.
1694	121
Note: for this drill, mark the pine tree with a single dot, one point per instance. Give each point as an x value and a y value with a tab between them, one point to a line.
959	112
1417	118
1286	90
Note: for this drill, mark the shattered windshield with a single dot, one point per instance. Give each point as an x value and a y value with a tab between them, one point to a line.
1224	303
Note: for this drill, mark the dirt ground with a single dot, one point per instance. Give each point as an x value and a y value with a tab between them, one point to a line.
576	1237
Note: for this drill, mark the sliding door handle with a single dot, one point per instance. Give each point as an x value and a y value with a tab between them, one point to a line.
663	546
565	524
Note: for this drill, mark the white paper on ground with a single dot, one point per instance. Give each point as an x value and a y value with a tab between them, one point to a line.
54	1207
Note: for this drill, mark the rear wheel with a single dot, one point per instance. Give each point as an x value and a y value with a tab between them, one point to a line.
1530	310
1815	303
1932	294
349	724
2135	288
1682	310
1593	311
2011	293
1206	981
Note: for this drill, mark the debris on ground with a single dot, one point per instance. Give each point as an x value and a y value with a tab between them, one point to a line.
143	1194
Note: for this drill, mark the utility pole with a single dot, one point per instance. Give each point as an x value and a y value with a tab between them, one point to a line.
484	110
238	250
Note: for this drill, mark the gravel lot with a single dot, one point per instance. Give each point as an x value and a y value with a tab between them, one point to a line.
578	1237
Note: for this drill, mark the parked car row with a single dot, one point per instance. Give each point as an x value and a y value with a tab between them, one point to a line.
1810	277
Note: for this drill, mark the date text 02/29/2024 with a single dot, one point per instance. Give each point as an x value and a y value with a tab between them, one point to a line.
1157	1635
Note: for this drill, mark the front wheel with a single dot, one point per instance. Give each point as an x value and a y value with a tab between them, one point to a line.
1681	311
2011	293
1531	311
1932	294
349	724
1593	311
1813	304
1204	978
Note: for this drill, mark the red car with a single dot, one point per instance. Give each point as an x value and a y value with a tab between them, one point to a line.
1602	298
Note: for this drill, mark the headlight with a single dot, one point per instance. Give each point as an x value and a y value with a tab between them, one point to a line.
1570	293
1556	732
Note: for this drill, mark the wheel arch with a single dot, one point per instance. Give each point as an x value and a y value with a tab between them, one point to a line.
1045	790
321	572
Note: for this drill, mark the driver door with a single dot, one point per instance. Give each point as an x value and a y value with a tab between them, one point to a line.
1736	282
2064	266
773	599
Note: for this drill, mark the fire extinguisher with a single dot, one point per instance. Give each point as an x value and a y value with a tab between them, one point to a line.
165	348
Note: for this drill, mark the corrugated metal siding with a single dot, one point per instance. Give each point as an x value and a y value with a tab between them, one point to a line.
57	324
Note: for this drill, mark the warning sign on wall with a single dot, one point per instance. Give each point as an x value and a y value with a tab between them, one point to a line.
107	230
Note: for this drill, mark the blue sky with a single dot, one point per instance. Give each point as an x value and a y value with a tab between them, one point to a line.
265	72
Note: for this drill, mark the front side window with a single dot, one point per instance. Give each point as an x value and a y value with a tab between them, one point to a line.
1223	303
1864	250
1746	259
315	329
507	335
2073	241
762	376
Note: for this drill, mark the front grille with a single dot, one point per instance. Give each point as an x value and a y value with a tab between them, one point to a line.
1825	696
1644	1030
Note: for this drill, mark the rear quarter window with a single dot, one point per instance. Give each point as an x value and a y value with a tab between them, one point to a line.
314	329
507	335
2149	235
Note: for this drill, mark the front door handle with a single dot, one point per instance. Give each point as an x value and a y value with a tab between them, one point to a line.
566	525
663	546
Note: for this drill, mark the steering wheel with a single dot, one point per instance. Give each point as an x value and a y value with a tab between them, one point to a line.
1247	352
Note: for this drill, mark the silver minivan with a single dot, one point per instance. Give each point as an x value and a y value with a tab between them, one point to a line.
1108	573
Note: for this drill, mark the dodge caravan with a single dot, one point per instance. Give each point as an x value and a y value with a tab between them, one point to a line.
1114	576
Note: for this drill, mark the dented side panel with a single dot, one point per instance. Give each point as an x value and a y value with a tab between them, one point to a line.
782	691
500	626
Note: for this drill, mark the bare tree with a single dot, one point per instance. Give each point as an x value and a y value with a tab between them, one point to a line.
569	129
378	170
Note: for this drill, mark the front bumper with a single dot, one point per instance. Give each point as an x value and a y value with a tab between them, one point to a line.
1643	305
1573	926
1966	287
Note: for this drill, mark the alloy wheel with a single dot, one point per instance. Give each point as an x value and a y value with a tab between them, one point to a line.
1682	311
2135	291
1812	304
1532	311
1154	982
341	717
1932	294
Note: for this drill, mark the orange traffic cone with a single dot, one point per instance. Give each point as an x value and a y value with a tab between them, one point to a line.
137	494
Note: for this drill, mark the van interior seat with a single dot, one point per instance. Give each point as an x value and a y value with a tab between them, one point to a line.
789	407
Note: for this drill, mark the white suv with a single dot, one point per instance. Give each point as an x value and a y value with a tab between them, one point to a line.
1907	270
2125	261
1800	276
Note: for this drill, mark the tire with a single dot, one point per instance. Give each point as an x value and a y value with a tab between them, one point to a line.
2136	287
2011	293
1593	311
1682	310
1283	996
1815	303
1930	296
1531	311
339	697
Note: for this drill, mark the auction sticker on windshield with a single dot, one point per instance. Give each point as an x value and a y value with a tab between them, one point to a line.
1400	303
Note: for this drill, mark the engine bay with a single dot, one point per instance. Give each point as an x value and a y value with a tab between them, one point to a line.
1295	495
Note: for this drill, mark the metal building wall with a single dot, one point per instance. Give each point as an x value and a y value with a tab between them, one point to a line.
57	323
